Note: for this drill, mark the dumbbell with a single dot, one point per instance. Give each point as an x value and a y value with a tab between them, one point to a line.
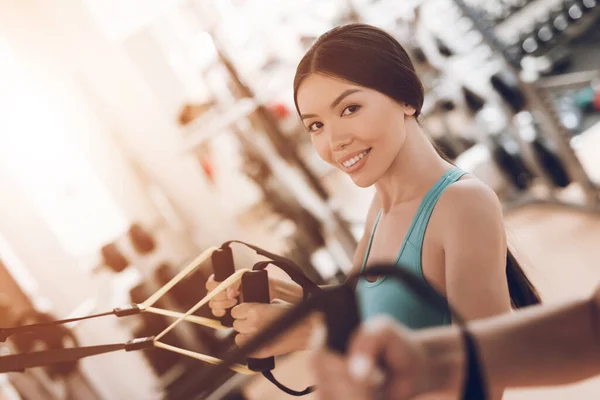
588	5
113	258
507	86
141	240
505	153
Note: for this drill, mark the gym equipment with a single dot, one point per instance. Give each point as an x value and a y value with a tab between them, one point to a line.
519	84
142	241
543	151
446	147
505	151
223	266
506	85
341	318
506	154
478	161
113	258
550	162
443	48
59	337
473	101
338	303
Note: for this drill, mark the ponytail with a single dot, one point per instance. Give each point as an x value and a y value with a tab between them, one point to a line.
522	292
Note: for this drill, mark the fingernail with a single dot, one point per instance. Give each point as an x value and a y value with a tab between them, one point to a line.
359	367
317	338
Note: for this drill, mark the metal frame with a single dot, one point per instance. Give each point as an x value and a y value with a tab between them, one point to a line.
538	102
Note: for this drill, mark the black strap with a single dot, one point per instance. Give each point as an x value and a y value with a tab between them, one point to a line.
308	286
263	252
474	386
125	311
287	265
5	333
20	362
271	378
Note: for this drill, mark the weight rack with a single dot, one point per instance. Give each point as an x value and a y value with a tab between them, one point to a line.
538	102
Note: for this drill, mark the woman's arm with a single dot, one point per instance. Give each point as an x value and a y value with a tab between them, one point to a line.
474	242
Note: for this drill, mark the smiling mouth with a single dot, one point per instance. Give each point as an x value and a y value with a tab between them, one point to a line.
351	162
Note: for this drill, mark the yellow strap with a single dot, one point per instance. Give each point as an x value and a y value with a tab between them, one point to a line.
180	276
242	369
211	323
222	286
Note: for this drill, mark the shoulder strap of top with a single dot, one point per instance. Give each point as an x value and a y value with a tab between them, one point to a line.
366	257
417	235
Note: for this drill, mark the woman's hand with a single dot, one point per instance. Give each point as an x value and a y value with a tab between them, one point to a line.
281	289
251	318
415	364
224	300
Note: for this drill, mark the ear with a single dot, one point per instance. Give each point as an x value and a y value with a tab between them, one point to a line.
409	110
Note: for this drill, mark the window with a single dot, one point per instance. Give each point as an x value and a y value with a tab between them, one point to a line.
38	150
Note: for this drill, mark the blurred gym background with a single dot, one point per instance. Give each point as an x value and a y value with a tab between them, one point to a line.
134	134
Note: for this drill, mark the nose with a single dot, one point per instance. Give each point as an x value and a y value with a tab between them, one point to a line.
339	139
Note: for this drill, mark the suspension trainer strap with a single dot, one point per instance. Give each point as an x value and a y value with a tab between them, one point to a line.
475	385
274	381
293	271
5	333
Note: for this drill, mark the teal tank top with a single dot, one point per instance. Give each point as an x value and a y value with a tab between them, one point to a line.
389	296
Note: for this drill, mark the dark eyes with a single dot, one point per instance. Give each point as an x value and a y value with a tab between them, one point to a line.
315	126
351	109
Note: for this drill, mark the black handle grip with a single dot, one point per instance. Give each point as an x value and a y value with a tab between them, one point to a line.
223	267
255	289
341	317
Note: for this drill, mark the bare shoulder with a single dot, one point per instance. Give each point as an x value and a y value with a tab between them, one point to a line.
469	196
469	207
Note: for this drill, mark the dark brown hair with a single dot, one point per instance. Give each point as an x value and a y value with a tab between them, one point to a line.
372	58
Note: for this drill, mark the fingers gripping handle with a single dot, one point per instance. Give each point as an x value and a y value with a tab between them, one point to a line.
223	267
255	289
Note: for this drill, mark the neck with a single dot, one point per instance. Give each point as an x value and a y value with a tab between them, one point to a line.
413	172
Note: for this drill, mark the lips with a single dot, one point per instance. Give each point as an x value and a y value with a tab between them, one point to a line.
353	157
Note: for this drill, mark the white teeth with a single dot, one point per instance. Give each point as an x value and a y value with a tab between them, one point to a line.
354	160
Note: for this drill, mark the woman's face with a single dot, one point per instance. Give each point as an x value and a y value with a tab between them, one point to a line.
357	130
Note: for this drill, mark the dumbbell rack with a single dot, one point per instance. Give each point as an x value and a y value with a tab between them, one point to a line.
538	102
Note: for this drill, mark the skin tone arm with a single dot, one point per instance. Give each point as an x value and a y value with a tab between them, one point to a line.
538	346
474	242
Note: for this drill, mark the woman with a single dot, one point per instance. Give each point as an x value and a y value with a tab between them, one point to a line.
540	346
358	96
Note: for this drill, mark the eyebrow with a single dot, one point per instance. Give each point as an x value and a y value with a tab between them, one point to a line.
334	103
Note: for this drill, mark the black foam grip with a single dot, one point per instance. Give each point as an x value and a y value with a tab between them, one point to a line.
255	289
223	268
341	317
